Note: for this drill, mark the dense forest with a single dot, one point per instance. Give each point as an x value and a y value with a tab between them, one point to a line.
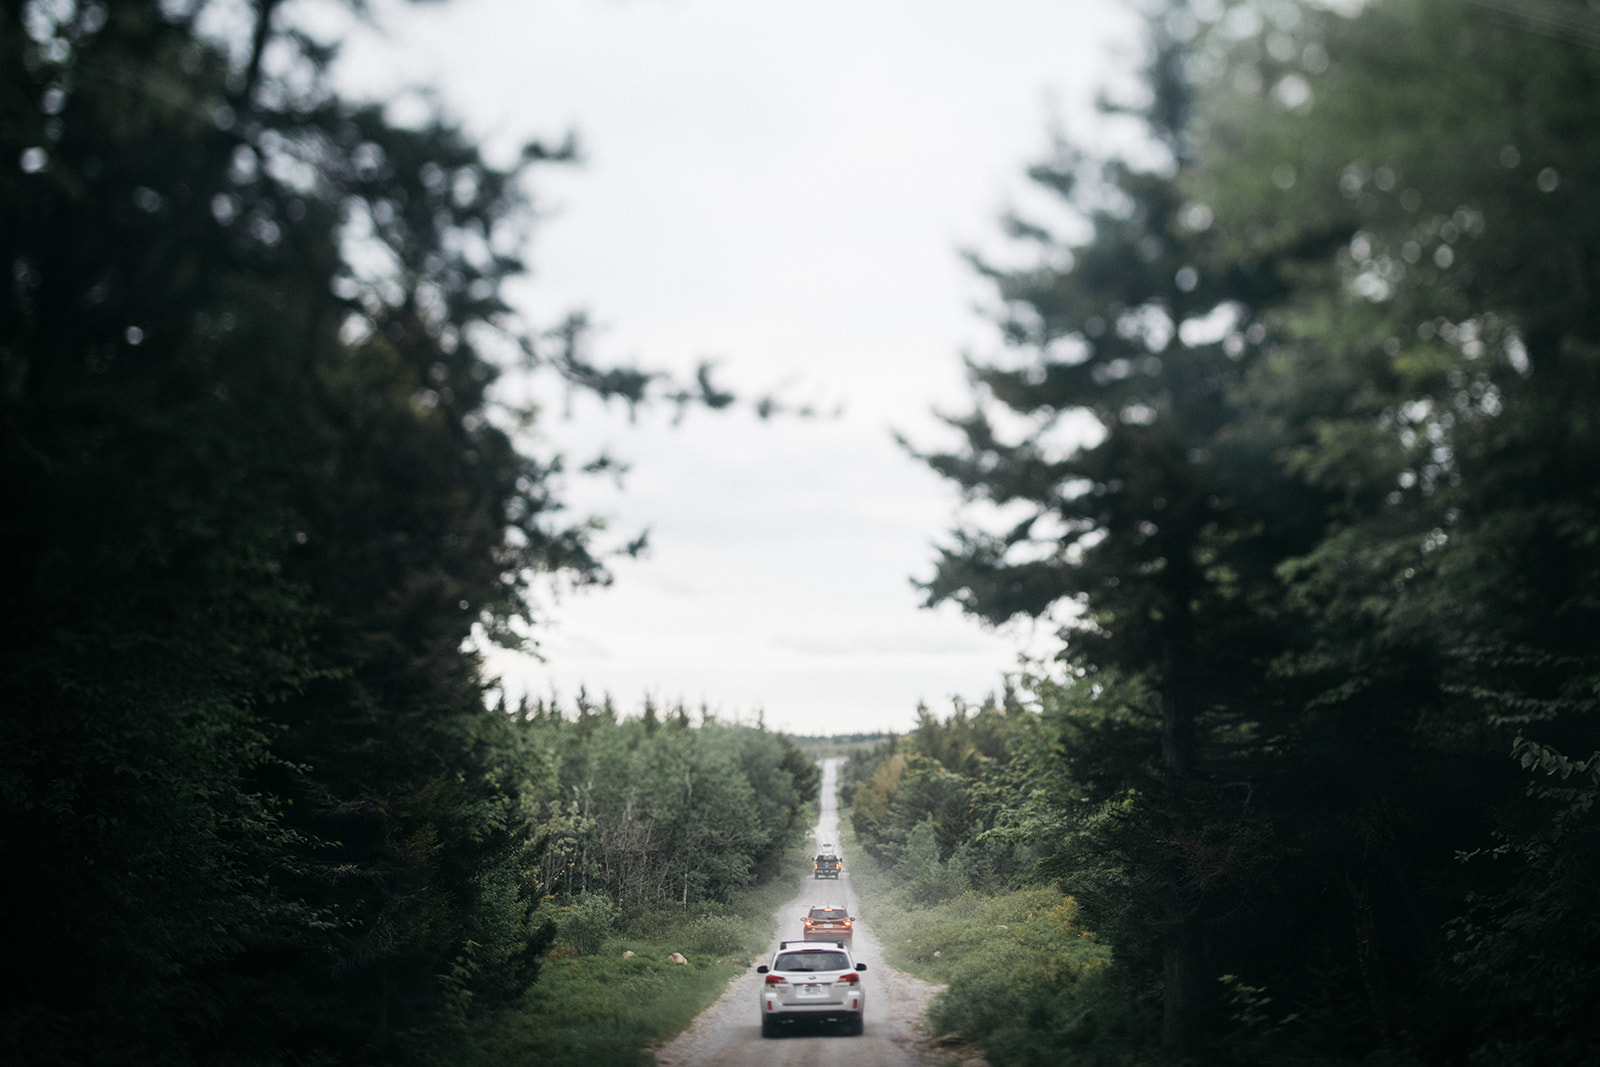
1289	430
259	805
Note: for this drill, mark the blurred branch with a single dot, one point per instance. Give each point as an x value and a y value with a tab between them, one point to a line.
1561	21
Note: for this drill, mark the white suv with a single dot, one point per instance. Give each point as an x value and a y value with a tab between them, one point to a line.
812	980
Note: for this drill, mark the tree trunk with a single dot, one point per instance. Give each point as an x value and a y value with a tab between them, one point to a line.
1183	949
1178	699
1183	993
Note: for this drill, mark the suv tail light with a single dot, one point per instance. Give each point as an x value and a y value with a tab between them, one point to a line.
775	979
849	977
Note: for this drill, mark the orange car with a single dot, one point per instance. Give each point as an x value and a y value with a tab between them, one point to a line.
828	924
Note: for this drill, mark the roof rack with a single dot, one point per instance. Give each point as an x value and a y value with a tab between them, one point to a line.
784	946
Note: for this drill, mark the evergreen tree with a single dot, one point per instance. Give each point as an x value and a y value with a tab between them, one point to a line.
257	497
1327	565
1431	377
1137	513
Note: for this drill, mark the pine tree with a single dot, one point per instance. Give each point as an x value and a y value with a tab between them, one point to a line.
257	496
1137	513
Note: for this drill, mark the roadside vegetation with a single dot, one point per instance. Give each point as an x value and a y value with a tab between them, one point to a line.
595	1004
1286	432
1015	962
673	841
266	505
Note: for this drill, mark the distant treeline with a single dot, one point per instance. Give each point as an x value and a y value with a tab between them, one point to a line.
651	811
843	746
1290	430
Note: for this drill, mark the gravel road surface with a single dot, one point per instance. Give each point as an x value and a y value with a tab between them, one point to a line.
729	1032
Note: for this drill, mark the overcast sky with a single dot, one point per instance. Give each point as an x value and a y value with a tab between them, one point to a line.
785	189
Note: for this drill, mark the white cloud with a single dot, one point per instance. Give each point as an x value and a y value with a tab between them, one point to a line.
783	188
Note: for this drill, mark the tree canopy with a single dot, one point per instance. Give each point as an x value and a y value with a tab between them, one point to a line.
261	503
1295	446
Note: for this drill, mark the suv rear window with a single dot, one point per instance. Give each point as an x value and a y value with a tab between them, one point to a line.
811	961
829	913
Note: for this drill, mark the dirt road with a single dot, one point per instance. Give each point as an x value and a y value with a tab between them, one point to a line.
729	1032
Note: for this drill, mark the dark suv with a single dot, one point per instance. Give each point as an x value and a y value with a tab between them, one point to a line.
826	865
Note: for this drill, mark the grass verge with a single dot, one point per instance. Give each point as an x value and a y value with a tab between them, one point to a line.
597	1007
1024	981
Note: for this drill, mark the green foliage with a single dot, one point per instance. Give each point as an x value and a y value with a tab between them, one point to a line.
717	935
600	1010
261	502
841	746
1417	375
1026	981
607	1009
583	926
1256	1024
648	815
925	878
1521	955
1112	492
1287	438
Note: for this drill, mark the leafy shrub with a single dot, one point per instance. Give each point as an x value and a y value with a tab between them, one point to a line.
1026	982
583	926
717	935
925	879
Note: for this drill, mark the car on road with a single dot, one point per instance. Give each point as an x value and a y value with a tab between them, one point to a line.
827	864
812	981
829	923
